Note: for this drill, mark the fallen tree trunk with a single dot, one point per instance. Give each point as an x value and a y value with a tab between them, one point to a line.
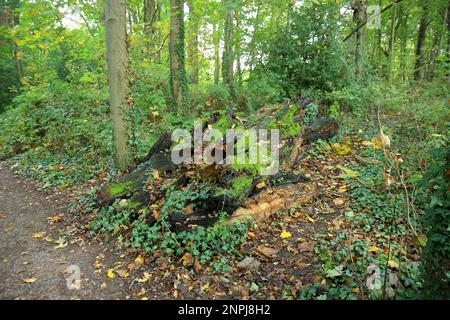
190	195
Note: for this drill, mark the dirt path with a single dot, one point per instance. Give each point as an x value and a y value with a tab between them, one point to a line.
30	265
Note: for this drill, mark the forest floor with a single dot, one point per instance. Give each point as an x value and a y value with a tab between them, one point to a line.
282	255
40	240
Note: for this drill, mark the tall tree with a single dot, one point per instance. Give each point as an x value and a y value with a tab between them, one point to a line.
216	36
117	60
392	40
228	54
421	38
194	53
178	80
359	8
152	14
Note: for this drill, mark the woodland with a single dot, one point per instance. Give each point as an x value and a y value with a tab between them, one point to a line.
91	93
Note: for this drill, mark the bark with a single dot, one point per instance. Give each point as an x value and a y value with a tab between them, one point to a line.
117	60
392	41
421	38
193	43
217	37
228	54
359	8
152	12
178	81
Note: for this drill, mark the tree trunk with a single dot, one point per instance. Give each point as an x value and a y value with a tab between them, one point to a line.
217	36
117	59
151	16
421	38
392	41
359	8
193	43
178	81
228	54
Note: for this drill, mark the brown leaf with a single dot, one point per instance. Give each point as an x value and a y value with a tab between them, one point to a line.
122	273
187	259
197	266
267	251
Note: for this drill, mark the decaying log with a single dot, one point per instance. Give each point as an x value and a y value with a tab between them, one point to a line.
260	198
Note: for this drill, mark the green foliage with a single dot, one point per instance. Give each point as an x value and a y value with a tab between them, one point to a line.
436	255
306	54
140	231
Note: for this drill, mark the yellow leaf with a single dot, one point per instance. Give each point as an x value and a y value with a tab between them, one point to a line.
48	239
205	287
39	234
261	185
111	274
309	218
285	234
348	173
338	202
29	280
342	149
367	143
156	175
393	264
373	249
377	144
139	259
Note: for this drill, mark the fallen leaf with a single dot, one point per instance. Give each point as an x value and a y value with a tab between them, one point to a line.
197	266
55	219
348	173
373	249
267	251
39	234
187	259
285	234
139	259
156	175
110	273
393	264
29	280
261	185
122	273
310	219
338	201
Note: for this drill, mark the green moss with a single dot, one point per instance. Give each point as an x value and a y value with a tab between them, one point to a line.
287	125
238	187
120	188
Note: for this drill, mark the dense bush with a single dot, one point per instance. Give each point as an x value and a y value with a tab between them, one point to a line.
306	53
436	255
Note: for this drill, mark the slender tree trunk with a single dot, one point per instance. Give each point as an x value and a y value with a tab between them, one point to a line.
217	36
193	43
421	38
252	42
404	44
360	16
228	54
117	59
448	37
151	16
392	42
178	81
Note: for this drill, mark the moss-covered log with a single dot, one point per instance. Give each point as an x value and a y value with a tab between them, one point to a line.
192	194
